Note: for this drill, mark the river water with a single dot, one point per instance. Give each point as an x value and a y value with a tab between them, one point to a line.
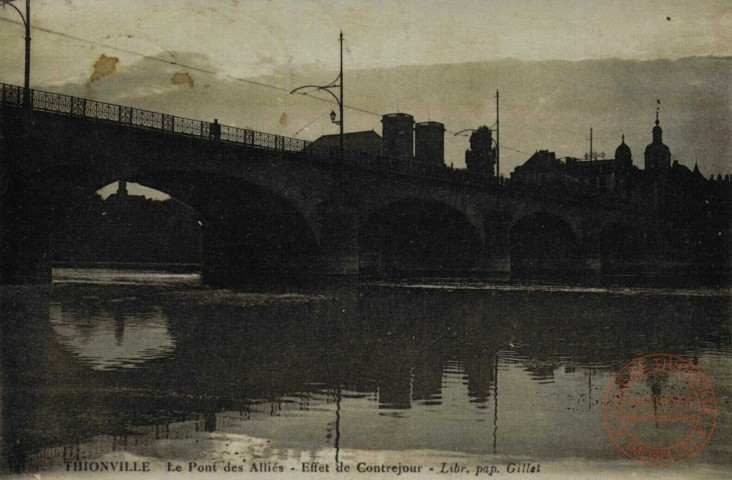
109	366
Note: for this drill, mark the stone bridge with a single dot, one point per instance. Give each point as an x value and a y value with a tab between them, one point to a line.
269	205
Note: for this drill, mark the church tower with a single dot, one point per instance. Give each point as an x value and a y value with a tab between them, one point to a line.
657	155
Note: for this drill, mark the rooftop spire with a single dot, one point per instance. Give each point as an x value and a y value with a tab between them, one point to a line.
658	108
657	131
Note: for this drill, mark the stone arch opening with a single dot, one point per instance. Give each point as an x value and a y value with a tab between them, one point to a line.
418	236
247	233
543	242
126	225
250	233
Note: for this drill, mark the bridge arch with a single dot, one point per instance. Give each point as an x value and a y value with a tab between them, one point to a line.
417	234
543	241
249	232
125	224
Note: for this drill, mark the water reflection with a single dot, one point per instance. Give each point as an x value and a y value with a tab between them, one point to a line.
318	375
122	333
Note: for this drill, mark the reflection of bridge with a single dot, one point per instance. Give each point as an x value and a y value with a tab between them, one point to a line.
404	348
270	204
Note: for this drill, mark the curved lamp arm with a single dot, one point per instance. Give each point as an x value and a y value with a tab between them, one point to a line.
493	140
9	4
320	89
463	131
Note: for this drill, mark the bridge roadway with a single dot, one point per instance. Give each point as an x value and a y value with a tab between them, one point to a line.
273	205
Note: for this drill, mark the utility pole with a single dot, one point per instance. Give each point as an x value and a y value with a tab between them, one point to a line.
591	154
340	104
26	23
338	82
498	143
27	47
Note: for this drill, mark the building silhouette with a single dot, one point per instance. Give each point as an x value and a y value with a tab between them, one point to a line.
429	143
398	131
592	176
660	182
481	157
691	213
366	141
403	140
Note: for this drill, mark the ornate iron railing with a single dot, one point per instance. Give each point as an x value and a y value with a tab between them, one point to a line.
12	95
80	107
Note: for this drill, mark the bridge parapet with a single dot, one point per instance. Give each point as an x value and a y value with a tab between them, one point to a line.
66	105
371	160
378	162
13	96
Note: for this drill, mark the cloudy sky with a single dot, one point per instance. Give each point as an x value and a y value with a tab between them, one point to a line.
284	42
253	37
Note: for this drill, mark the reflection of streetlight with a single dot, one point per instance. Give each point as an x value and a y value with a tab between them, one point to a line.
26	22
337	83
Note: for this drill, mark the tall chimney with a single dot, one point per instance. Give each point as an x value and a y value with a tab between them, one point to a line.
398	135
429	141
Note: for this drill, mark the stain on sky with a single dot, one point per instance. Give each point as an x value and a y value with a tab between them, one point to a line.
182	78
104	67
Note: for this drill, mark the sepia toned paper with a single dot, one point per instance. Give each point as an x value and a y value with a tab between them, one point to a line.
389	239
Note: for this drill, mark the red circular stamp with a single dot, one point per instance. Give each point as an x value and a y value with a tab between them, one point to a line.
660	410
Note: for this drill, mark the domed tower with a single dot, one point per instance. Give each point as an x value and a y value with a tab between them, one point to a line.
623	155
623	167
657	155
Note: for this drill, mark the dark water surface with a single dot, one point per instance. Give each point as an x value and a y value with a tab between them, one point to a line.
115	365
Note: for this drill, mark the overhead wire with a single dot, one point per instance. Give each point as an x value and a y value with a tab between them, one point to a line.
175	63
204	70
633	76
620	84
311	122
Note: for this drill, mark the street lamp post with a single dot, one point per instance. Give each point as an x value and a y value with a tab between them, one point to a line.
26	22
498	143
337	83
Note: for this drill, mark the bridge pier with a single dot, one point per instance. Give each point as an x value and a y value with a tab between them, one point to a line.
497	250
25	254
592	253
231	256
342	262
339	252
